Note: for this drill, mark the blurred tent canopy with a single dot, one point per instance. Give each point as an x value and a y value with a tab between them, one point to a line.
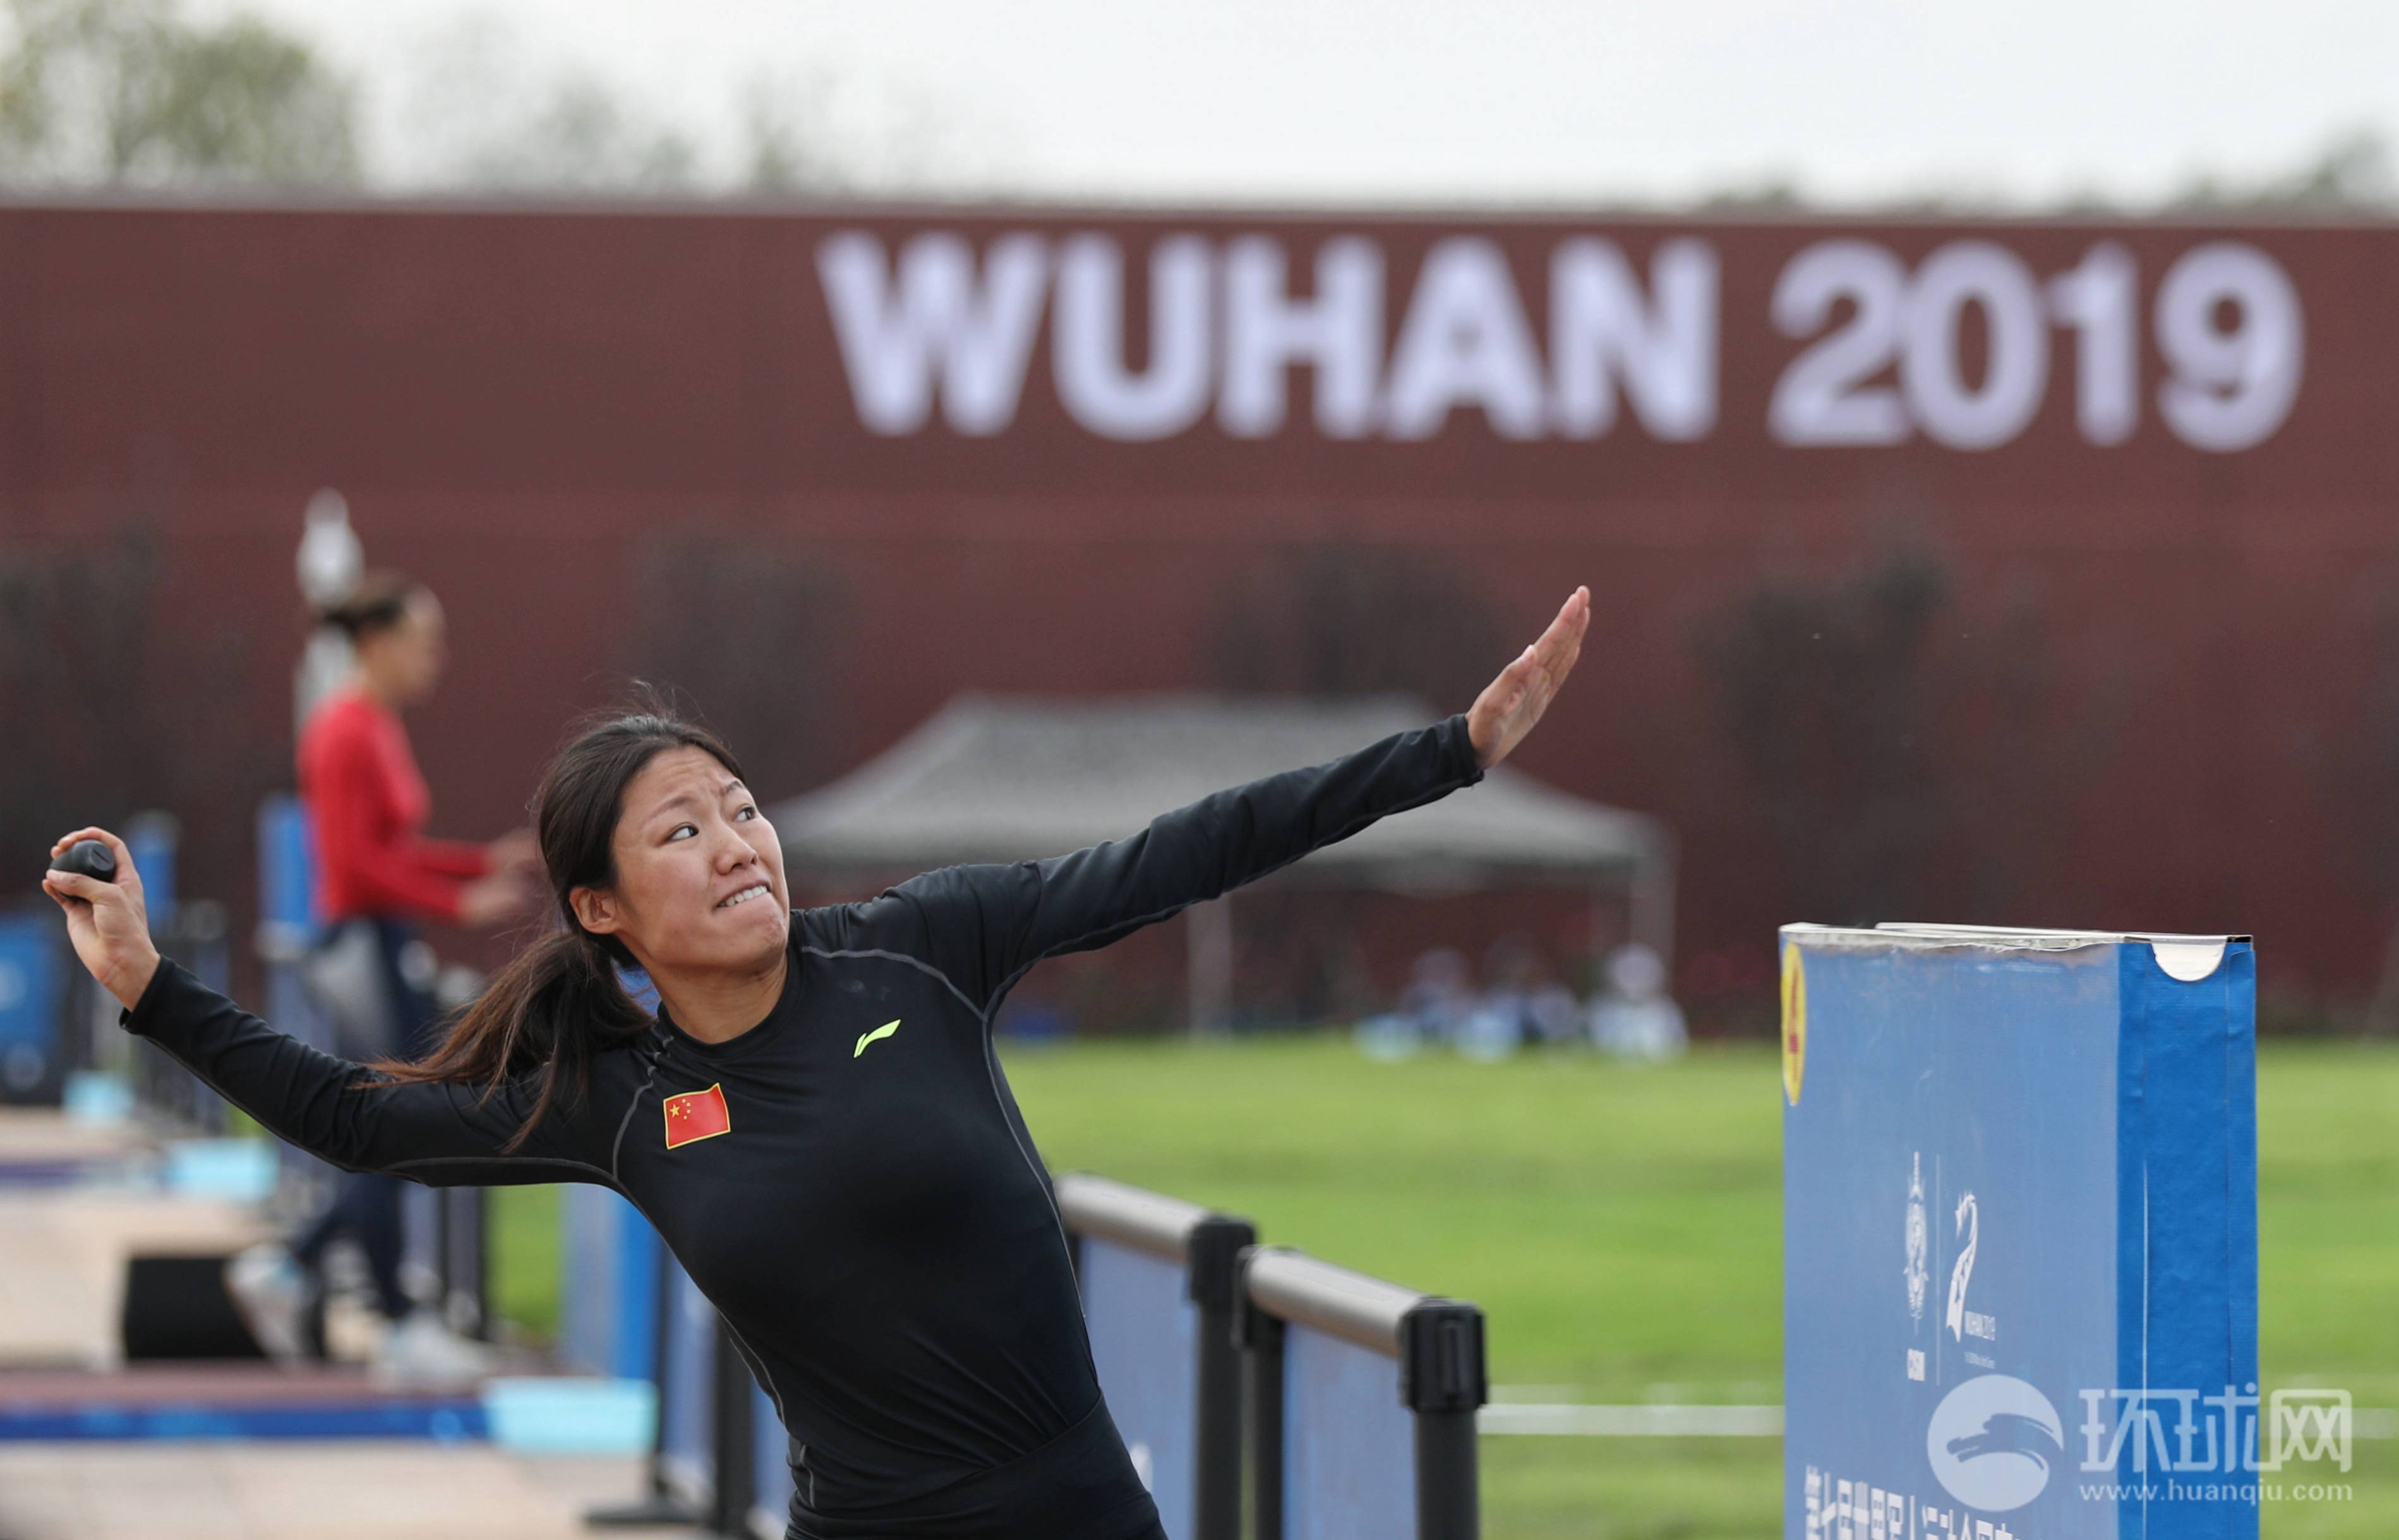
992	777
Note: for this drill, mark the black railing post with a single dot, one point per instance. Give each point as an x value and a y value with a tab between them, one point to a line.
441	1248
464	1260
1259	1338
1216	1287
481	1283
733	1489
1443	1382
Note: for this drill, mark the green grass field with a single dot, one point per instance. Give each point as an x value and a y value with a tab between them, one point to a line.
1620	1228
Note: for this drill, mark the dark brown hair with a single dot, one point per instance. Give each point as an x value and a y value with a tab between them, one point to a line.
559	1003
375	603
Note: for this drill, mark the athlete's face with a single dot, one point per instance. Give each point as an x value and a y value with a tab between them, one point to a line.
699	873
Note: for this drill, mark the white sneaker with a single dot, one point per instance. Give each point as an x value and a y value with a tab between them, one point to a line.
419	1349
272	1293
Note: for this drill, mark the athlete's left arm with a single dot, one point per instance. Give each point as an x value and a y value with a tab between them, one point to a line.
985	924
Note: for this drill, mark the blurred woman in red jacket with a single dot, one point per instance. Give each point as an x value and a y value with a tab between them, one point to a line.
378	879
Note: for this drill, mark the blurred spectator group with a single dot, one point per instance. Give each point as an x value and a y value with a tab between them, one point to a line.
1521	1004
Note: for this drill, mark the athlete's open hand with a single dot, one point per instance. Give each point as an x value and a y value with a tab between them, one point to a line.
108	922
1508	705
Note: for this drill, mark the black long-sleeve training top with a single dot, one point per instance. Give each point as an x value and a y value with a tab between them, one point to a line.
871	1221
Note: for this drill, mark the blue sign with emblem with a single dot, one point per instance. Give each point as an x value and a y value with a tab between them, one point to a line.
2020	1237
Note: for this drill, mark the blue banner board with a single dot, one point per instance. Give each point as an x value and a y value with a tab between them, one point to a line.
608	1284
1348	1462
32	993
2020	1236
286	864
686	1389
1145	1336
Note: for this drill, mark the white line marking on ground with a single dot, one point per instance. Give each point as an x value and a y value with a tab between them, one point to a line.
1721	1422
1635	1422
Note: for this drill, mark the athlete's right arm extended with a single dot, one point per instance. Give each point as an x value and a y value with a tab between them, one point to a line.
432	1134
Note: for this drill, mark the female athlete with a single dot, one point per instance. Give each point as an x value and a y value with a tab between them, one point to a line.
814	1119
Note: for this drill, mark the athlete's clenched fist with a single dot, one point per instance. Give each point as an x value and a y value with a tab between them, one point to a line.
108	922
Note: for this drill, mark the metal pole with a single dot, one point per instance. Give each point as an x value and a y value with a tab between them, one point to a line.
1441	1380
442	1249
467	1280
1652	919
1210	965
1260	1338
1448	1504
734	1489
482	1282
1215	1246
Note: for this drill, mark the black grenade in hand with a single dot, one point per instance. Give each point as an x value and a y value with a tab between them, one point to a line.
88	858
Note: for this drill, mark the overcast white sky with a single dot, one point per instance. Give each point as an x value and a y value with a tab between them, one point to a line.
2023	101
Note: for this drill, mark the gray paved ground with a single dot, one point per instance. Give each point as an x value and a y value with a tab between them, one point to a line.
334	1490
63	1254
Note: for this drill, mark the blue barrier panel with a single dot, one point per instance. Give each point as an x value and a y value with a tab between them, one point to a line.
287	920
287	863
1144	1331
287	879
2020	1243
31	989
1349	1470
607	1300
443	1419
687	1393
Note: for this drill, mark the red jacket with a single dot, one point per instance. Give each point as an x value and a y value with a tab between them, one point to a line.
366	801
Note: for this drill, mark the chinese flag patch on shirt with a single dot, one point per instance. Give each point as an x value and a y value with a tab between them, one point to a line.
697	1115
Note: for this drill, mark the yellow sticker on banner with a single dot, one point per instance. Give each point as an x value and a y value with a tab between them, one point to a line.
1795	1023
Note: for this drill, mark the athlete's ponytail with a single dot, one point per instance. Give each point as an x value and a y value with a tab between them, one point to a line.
560	1002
